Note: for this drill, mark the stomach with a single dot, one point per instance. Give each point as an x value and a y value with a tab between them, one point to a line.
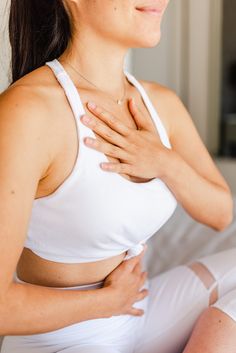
33	269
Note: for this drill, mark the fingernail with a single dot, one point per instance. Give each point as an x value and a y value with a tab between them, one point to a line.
91	105
86	119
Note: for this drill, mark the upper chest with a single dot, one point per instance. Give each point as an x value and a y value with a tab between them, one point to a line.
66	137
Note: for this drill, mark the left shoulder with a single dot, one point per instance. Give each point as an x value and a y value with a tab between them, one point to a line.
183	135
166	102
157	88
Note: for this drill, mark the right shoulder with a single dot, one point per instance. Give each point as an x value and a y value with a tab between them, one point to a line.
31	92
18	102
25	116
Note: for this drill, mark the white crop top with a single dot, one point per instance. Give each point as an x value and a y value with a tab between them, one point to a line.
95	214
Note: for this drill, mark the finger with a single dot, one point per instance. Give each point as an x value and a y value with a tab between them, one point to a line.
136	312
131	263
106	148
109	119
103	130
142	294
141	122
137	268
143	278
121	168
141	254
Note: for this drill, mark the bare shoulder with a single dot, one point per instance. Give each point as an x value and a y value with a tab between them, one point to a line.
22	104
32	88
183	134
166	102
158	89
25	110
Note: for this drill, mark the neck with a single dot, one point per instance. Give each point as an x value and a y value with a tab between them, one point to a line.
99	61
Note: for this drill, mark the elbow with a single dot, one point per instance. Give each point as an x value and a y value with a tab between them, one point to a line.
225	223
227	215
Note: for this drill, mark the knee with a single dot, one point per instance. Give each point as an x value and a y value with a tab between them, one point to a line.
214	331
227	305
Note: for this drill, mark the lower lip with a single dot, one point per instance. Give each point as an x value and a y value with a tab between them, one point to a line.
150	12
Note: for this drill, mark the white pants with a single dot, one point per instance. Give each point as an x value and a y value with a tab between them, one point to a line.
176	299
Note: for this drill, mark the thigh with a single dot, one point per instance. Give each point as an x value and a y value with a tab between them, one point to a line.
176	299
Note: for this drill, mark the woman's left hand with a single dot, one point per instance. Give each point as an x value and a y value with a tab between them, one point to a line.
141	153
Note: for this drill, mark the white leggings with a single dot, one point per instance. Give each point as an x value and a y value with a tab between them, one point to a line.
176	299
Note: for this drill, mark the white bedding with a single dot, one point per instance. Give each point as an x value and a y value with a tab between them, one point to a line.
182	239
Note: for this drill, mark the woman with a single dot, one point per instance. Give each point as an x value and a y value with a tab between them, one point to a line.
79	285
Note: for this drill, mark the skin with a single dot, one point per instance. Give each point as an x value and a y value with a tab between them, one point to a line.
214	331
103	31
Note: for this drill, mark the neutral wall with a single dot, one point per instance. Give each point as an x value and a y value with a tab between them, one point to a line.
229	35
164	62
227	167
188	60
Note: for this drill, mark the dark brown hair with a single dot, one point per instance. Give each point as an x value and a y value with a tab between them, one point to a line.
39	31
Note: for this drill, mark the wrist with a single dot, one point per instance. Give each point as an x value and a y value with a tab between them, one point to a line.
105	302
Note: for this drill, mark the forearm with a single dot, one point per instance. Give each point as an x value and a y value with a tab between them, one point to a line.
205	201
31	309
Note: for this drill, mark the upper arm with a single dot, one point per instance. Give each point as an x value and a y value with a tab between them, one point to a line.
184	137
23	160
186	140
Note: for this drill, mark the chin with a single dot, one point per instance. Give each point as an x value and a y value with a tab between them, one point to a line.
152	42
149	41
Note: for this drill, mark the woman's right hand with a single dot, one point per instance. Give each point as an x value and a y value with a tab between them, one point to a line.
124	284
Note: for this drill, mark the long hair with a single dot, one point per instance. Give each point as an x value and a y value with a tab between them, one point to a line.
39	31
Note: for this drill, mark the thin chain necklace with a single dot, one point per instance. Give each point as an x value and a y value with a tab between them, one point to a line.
117	101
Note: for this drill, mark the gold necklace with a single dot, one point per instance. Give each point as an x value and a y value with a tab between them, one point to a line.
118	101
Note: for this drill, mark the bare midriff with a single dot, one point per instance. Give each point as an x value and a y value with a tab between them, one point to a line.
34	269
